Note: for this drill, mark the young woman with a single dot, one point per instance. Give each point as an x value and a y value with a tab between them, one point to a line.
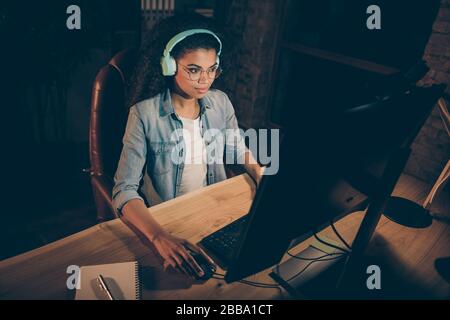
174	110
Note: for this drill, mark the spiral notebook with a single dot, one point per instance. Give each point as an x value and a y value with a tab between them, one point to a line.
122	280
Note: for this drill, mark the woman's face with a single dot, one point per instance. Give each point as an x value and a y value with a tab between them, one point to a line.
194	61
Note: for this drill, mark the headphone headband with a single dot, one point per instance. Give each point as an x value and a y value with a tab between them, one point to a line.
182	35
168	64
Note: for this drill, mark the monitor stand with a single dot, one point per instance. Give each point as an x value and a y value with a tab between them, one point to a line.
407	213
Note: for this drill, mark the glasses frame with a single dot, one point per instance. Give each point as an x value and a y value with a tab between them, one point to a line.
217	72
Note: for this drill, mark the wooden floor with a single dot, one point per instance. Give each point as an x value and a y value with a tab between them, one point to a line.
438	234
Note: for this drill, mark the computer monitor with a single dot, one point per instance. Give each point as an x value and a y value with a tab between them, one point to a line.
330	166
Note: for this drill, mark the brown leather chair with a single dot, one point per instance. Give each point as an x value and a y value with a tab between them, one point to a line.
109	114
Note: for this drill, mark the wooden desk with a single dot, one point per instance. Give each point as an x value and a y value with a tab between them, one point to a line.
41	273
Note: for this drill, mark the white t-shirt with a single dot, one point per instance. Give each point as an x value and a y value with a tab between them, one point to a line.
194	172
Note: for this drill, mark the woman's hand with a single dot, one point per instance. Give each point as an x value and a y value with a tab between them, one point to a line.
175	252
253	168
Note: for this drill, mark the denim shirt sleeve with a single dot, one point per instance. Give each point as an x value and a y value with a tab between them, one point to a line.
132	160
235	147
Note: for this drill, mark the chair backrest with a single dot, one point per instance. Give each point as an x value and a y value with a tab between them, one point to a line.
109	113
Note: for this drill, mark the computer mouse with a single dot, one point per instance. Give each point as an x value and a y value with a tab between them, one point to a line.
206	266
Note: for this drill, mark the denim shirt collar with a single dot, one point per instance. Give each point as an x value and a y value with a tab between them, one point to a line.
166	107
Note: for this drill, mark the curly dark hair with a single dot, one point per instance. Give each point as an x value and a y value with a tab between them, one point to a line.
147	79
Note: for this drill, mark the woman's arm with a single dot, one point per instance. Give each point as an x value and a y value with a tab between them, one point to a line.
131	207
172	249
136	212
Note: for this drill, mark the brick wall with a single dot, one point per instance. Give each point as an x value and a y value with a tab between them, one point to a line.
431	148
252	26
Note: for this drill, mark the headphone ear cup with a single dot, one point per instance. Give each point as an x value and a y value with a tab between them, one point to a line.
171	66
218	61
168	66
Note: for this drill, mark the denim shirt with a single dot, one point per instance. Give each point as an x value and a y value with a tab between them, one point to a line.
153	145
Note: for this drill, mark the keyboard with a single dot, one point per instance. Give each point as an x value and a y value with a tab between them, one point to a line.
223	242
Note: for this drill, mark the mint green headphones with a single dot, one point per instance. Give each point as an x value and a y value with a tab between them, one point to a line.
168	63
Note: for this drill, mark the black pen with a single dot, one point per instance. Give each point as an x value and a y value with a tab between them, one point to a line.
104	287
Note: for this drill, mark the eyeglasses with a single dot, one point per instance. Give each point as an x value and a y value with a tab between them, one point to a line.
196	72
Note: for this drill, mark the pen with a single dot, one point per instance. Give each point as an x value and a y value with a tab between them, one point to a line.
101	281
